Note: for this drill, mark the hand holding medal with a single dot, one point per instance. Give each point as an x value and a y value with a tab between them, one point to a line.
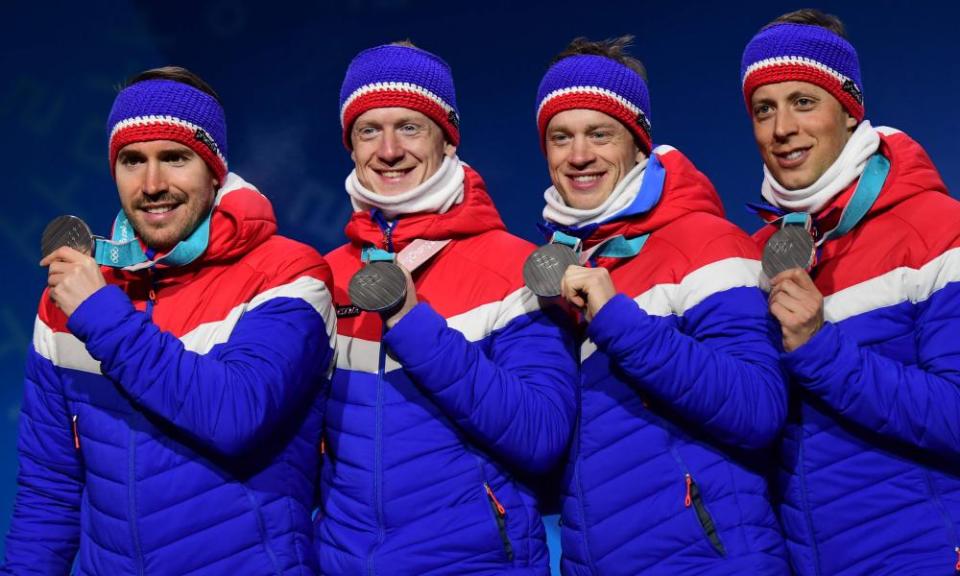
73	275
544	269
794	299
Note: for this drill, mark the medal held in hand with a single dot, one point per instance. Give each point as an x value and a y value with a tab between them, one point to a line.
66	231
544	269
791	246
378	287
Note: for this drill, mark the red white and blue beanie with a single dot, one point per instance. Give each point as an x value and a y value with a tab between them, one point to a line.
168	110
788	52
596	83
402	76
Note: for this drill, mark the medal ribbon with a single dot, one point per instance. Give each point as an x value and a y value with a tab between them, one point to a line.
123	249
412	257
864	196
615	247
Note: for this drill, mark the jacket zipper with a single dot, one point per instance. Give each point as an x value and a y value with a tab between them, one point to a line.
581	503
706	521
378	454
951	529
693	498
132	495
76	433
500	514
803	495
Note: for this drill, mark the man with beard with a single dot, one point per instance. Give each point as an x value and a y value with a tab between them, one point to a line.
172	400
442	403
869	478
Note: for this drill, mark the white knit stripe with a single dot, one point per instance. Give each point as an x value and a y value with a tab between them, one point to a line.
361	355
155	119
594	90
792	60
67	351
895	287
694	288
392	87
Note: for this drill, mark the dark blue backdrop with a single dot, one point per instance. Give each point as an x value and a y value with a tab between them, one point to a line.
278	66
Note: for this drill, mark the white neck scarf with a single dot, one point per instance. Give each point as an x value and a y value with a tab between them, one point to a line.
623	195
863	143
437	194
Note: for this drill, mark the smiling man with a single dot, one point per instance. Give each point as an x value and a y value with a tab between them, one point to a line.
869	477
680	392
438	408
172	400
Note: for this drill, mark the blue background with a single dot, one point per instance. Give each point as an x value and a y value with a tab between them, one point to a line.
278	66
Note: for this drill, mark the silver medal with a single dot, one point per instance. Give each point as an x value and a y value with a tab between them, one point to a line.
544	269
790	247
378	287
66	231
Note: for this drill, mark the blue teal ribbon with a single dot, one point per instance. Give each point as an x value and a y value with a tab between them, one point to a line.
620	247
864	197
123	249
615	247
374	254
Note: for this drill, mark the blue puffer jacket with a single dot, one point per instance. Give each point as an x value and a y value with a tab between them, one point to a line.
680	396
870	471
429	424
170	425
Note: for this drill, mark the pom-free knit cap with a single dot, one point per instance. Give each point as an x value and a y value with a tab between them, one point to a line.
598	83
168	110
805	53
399	76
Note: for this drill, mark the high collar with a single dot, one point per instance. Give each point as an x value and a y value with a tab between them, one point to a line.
685	190
476	214
911	172
241	220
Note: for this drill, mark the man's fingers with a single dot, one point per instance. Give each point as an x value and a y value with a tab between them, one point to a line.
783	315
63	254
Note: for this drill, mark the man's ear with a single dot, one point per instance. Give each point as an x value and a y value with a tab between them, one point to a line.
353	156
640	156
851	122
449	149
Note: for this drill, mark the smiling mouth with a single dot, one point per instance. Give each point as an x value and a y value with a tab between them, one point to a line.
158	209
395	173
585	181
793	158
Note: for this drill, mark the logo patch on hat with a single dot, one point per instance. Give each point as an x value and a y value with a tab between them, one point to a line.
202	136
643	122
851	88
454	119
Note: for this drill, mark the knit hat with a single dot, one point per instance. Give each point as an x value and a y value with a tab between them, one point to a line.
401	76
168	110
595	83
805	53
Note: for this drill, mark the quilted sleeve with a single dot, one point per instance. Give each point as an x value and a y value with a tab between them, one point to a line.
916	404
516	398
45	526
232	388
716	366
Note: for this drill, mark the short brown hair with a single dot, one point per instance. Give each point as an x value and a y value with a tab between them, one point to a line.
406	43
812	17
612	48
175	73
